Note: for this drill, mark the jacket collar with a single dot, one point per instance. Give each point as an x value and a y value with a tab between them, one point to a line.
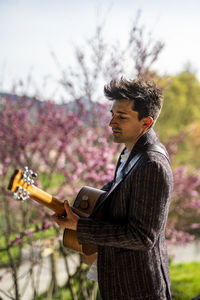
148	138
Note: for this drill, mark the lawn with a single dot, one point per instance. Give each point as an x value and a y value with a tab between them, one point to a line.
185	279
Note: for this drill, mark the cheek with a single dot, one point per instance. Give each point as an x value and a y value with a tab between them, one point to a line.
136	128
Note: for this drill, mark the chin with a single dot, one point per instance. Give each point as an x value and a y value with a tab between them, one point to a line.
116	140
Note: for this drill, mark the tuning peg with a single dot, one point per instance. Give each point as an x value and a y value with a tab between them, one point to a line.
16	196
21	194
33	174
29	175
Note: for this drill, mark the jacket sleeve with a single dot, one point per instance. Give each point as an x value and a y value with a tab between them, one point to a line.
147	213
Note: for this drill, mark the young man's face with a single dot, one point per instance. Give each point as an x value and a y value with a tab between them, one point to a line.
125	125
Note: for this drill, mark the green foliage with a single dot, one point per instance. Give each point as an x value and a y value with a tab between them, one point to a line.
191	147
181	104
185	280
179	118
47	180
15	249
4	256
62	294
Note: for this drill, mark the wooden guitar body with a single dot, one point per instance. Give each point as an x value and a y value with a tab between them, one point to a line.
83	205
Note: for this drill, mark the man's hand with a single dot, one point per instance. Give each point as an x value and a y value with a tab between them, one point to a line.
69	221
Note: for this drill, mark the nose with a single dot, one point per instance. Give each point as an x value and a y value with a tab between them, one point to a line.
112	121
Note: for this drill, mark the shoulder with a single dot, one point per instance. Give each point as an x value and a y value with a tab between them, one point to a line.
154	165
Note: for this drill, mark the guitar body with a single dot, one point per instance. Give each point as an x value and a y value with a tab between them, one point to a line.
83	206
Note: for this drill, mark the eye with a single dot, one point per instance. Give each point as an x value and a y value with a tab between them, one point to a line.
122	118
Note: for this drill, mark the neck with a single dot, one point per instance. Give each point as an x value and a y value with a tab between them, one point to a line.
130	145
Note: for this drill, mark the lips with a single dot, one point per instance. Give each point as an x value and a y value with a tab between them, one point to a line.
116	132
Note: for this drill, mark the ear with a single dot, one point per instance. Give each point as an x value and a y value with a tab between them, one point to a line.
148	121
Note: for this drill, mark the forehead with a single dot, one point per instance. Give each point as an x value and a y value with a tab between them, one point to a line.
122	106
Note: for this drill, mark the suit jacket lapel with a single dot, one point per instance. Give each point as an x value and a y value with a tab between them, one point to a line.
132	164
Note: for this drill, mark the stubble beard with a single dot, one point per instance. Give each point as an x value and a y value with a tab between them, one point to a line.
117	139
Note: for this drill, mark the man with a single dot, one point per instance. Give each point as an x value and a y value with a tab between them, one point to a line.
128	225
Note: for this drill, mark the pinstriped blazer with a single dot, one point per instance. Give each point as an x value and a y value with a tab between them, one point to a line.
132	253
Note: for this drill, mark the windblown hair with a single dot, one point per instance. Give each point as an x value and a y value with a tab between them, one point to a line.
146	96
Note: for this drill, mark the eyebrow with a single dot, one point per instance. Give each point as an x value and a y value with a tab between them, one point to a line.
119	112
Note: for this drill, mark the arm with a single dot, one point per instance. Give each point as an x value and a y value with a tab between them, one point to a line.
148	209
70	219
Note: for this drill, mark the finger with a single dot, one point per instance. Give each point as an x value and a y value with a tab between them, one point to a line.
67	207
59	220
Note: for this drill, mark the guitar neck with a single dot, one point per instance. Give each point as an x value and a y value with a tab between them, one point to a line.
17	182
46	199
51	202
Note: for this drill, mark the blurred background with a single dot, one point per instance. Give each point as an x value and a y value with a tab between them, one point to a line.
55	58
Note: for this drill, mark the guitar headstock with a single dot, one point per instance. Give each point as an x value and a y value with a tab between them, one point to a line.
20	182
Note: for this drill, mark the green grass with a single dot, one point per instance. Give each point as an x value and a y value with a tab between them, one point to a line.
63	294
185	279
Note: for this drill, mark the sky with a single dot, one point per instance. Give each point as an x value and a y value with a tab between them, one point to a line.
30	30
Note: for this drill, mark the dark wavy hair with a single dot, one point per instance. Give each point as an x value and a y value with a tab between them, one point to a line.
146	96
